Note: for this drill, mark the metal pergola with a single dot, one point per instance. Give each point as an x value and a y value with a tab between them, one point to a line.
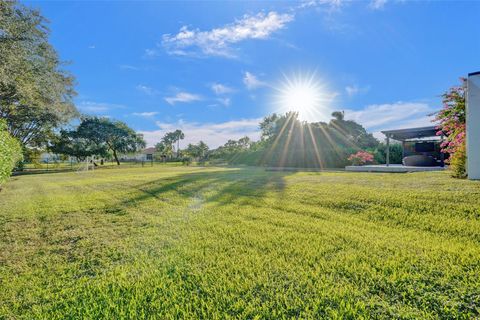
410	134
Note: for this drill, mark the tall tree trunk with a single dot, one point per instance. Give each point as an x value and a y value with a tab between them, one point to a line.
116	158
178	148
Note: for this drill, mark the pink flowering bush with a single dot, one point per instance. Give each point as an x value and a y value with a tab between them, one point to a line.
451	121
361	158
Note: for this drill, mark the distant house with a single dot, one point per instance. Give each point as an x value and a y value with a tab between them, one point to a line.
49	157
144	155
148	153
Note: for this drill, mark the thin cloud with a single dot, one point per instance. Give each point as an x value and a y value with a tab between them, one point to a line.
220	89
146	89
183	97
377	4
128	67
355	89
224	101
145	114
317	3
213	134
97	107
150	53
397	115
219	41
252	82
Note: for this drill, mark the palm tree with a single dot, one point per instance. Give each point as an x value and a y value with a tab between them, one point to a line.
178	135
203	149
168	140
338	115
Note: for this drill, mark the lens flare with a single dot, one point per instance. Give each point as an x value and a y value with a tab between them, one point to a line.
305	94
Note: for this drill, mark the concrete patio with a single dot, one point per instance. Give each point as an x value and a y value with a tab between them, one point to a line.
391	168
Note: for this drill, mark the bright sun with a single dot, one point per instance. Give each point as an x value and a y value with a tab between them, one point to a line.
305	95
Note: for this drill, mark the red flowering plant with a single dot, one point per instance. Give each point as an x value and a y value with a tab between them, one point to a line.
451	121
361	158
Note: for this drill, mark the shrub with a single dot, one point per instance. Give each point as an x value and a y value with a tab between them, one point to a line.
396	153
186	161
458	162
452	124
360	158
10	152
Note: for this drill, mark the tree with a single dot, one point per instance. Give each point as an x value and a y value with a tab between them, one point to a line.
244	143
269	126
169	139
10	152
197	151
192	150
203	147
35	92
114	136
178	135
164	149
354	133
338	115
72	144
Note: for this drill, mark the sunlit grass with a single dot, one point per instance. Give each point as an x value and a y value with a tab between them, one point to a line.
176	242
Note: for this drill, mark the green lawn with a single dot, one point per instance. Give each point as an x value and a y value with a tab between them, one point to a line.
176	242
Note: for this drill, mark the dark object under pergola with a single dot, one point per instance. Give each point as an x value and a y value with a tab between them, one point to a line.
412	134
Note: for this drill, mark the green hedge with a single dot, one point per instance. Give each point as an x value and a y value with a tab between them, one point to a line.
10	152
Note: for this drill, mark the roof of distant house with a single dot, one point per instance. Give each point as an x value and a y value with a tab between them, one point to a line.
150	150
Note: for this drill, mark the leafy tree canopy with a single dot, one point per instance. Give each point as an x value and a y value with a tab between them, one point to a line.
198	151
35	92
164	149
170	138
72	144
114	136
98	136
10	152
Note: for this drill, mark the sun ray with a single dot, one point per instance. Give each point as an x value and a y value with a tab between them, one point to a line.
277	138
315	147
286	149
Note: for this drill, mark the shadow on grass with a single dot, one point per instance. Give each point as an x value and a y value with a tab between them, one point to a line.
221	187
40	171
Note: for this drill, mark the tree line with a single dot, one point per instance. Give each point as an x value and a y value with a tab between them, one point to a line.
288	142
169	148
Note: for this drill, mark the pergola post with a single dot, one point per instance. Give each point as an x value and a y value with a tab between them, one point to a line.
388	150
442	155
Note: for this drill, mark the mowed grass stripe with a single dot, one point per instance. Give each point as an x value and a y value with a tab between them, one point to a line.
177	242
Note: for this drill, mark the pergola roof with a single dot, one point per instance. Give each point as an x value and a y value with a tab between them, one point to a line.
411	133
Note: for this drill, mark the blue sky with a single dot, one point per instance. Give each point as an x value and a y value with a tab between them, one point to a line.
214	69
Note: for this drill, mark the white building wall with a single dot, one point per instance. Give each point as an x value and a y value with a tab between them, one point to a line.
473	126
